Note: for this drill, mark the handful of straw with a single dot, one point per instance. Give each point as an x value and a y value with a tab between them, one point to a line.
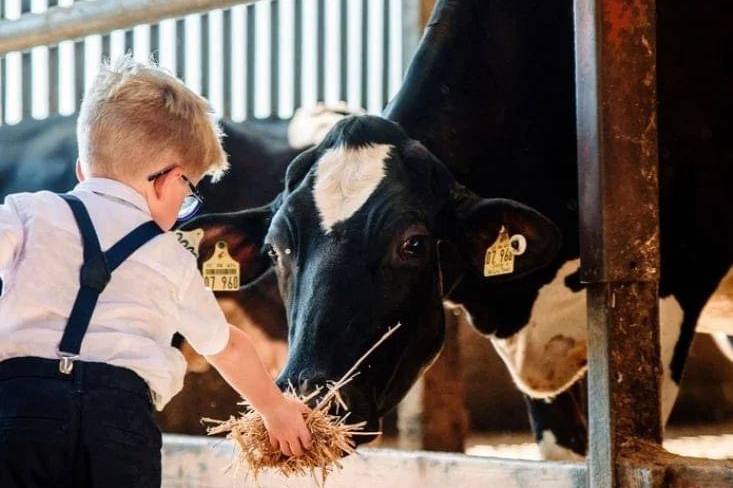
332	436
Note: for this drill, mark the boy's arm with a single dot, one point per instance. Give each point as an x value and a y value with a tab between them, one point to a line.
241	367
11	235
231	352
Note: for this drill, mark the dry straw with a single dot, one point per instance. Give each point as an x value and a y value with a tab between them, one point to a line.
332	436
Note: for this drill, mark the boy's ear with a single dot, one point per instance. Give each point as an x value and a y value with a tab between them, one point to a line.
79	171
243	232
533	238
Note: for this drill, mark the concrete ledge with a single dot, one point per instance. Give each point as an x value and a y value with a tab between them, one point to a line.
199	462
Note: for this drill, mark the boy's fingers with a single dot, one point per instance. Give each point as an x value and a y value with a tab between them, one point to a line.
296	448
285	448
274	443
305	438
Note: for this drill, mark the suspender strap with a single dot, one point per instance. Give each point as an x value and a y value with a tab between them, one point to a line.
94	275
118	253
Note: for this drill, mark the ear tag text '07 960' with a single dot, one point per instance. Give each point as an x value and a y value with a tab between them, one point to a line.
221	271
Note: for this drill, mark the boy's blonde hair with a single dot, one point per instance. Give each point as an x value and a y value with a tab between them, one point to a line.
135	115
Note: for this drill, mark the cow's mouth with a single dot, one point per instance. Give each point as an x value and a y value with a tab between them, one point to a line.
355	407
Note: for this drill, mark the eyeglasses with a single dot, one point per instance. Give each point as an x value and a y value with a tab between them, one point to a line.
192	203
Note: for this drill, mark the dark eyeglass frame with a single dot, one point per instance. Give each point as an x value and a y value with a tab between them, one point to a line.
194	192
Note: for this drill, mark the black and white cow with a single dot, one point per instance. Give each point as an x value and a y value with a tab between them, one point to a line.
372	229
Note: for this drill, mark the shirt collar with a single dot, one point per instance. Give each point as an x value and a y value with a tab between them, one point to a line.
114	189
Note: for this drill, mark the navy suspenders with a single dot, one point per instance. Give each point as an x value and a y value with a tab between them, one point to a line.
94	276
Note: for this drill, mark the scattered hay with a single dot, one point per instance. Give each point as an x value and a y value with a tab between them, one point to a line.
332	437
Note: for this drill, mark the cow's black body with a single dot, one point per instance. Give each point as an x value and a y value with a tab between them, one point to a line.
501	117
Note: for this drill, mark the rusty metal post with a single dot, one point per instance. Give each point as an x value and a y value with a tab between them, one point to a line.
619	228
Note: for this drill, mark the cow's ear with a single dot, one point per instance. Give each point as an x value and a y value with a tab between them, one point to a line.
298	168
243	232
502	239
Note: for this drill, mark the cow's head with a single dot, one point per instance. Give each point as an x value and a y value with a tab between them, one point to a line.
371	230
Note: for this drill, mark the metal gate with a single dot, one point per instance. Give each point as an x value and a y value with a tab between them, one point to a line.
258	60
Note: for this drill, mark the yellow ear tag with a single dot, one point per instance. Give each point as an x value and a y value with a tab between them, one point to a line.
191	240
221	271
499	259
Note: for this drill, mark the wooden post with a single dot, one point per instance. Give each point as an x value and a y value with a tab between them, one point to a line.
433	415
619	231
426	9
445	417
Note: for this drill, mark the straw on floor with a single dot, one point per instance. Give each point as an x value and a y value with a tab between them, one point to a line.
332	435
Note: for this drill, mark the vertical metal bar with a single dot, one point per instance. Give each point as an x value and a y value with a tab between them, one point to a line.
344	51
53	80
227	56
274	58
155	42
26	76
298	55
203	47
321	51
106	44
364	53
619	227
385	52
129	41
78	74
3	81
250	57
180	48
53	73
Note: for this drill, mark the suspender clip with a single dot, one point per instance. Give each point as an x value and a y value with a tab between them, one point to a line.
66	361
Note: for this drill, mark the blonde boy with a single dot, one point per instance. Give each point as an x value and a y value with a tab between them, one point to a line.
95	287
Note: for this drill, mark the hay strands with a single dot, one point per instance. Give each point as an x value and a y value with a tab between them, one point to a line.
332	436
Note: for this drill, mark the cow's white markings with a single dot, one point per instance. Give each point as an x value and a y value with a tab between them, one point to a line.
549	354
345	178
552	451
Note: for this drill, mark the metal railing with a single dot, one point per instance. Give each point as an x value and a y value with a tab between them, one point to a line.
252	61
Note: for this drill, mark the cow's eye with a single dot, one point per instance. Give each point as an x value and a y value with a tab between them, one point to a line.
270	250
414	247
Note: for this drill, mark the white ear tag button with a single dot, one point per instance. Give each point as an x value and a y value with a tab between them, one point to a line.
221	272
518	244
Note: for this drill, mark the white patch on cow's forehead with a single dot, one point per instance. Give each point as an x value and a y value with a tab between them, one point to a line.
345	178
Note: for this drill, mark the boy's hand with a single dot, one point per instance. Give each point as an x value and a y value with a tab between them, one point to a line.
286	426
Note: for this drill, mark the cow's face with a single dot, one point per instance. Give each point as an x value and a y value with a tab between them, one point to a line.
371	230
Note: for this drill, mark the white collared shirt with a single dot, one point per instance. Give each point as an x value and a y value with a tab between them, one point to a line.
154	293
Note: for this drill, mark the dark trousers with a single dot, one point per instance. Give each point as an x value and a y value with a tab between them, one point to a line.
92	428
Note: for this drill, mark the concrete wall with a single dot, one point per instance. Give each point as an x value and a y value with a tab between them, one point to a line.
197	462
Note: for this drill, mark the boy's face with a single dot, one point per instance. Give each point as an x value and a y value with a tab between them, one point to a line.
166	195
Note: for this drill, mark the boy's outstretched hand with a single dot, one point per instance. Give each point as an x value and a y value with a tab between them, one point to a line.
239	364
286	425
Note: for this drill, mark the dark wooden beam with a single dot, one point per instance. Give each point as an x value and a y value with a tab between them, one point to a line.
619	227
